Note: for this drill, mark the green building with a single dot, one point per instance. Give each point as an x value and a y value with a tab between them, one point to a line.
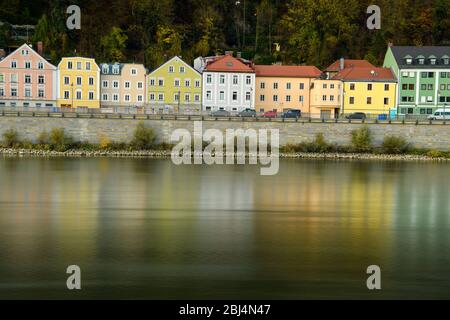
175	86
423	75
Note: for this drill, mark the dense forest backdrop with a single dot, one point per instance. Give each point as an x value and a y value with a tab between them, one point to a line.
149	31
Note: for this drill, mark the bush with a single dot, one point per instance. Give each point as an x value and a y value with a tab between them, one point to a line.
394	145
144	137
104	142
59	141
43	138
10	138
361	140
435	154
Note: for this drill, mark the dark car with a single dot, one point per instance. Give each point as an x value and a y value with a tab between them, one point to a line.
356	116
220	113
293	113
247	113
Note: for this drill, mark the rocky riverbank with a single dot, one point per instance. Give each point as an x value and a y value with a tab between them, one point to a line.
164	154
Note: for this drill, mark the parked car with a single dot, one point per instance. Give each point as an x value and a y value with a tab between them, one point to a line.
270	114
440	114
293	113
220	113
356	116
247	113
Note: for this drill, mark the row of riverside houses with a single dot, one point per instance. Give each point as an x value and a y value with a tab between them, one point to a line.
413	81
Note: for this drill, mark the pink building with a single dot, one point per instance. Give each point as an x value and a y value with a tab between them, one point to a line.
27	80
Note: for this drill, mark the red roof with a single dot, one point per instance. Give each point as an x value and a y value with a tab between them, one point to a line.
287	71
228	63
366	74
349	63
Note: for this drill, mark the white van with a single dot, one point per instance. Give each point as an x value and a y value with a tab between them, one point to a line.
439	114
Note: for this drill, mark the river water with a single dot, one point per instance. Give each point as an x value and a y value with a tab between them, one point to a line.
147	229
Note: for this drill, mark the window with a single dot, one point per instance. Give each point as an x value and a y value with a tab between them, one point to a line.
27	79
66	94
140	98
115	84
275	98
443	74
69	65
235	80
433	61
27	92
116	70
197	83
187	97
91	81
13	64
352	86
275	85
13	92
208	95
115	97
104	97
386	87
152	82
88	66
171	69
411	87
105	84
421	61
221	95
430	87
14	78
405	74
182	69
262	98
177	83
409	61
352	100
369	87
222	79
288	86
209	79
127	98
78	65
369	100
187	83
2	77
248	80
288	98
78	95
2	92
324	98
79	81
160	97
386	101
197	98
332	86
133	72
263	85
24	52
176	97
140	85
302	86
234	96
247	96
105	69
324	86
404	86
91	95
27	65
152	97
331	98
127	85
301	98
161	82
429	99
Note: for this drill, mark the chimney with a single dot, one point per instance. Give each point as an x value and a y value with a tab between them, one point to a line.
341	64
40	48
239	55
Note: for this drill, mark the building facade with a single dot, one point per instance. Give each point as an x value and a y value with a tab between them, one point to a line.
122	85
325	101
78	83
423	78
368	90
175	86
228	84
282	88
27	80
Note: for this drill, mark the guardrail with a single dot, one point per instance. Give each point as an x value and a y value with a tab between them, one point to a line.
180	117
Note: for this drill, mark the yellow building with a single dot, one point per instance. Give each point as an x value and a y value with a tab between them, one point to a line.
368	90
78	83
325	99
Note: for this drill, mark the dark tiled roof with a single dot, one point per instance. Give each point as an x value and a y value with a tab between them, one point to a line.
111	67
287	71
427	52
349	63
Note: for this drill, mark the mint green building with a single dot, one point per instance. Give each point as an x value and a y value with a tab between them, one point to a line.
423	75
175	86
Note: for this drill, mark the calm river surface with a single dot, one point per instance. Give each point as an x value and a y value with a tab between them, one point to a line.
142	228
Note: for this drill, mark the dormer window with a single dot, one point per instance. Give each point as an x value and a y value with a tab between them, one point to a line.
105	69
446	60
421	61
116	70
433	61
408	61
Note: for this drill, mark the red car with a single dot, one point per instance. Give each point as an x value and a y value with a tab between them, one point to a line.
270	114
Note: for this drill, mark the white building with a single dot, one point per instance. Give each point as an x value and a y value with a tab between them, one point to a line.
228	84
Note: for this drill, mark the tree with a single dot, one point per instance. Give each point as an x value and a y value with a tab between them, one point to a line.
113	45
